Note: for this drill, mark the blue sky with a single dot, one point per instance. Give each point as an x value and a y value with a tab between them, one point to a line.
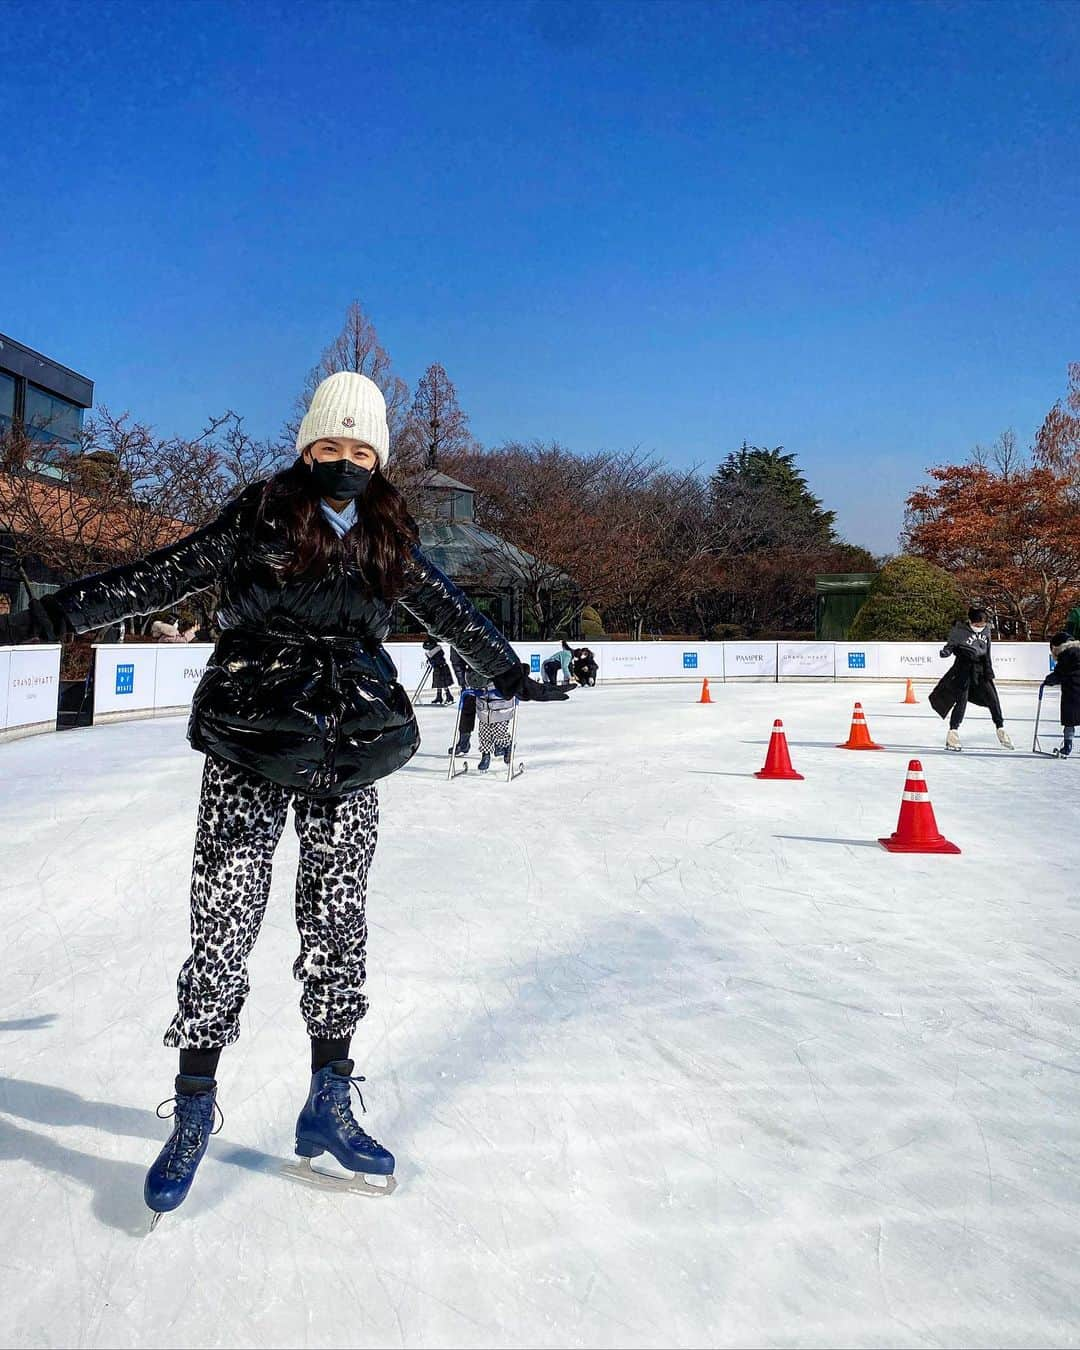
849	229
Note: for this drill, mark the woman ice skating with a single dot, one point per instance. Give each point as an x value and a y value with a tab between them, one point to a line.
1066	675
970	679
299	704
442	679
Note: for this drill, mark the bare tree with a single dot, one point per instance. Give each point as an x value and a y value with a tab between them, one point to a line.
435	426
120	493
357	348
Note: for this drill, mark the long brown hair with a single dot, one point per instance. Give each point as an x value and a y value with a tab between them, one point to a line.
379	544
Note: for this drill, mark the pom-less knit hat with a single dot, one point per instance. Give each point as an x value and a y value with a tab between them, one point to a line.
347	405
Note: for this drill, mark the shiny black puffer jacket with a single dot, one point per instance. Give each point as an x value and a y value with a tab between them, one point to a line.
299	688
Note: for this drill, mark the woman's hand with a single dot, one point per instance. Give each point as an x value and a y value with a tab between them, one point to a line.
517	683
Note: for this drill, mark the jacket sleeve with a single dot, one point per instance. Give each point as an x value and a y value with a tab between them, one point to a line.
448	614
157	581
1054	676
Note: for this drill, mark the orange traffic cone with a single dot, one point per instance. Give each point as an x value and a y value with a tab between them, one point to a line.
909	697
778	760
705	695
916	830
859	736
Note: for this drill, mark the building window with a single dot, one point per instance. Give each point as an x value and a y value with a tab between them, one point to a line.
7	400
49	418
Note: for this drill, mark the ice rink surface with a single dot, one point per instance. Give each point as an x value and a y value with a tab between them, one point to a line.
668	1056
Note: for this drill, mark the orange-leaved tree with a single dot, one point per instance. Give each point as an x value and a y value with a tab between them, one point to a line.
1008	534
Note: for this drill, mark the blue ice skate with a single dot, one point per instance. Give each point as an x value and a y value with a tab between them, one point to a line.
327	1125
485	762
169	1179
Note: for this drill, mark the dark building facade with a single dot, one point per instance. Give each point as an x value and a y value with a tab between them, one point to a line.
43	397
47	401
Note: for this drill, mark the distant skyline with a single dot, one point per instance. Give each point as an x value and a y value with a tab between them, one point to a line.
851	230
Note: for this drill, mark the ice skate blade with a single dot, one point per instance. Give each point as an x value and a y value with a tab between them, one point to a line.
357	1184
158	1216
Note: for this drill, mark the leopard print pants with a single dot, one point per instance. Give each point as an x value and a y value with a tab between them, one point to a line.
241	818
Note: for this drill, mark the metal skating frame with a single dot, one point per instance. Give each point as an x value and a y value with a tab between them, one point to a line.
1036	747
429	674
511	772
453	771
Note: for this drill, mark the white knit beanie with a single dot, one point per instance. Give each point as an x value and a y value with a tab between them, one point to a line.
347	406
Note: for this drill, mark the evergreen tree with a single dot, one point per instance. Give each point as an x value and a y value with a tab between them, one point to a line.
766	489
909	600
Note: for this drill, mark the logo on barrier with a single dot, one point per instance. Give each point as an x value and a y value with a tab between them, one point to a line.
534	663
125	679
752	660
689	660
856	660
915	660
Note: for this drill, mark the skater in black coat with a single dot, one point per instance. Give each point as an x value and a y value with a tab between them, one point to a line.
970	679
1066	676
300	704
441	677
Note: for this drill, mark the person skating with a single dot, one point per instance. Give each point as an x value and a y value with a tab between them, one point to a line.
970	678
299	705
1066	675
441	677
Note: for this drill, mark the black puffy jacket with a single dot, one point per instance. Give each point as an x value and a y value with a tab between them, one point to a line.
1066	673
971	673
299	688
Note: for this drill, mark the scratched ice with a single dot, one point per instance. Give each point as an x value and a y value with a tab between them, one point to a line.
668	1056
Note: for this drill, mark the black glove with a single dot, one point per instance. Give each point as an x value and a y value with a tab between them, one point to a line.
43	622
517	683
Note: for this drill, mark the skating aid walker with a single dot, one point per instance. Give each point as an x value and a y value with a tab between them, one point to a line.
1036	745
493	714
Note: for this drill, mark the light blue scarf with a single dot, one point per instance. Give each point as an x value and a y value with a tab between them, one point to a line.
340	521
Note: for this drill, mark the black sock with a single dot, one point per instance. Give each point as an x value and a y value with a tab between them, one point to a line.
324	1052
199	1063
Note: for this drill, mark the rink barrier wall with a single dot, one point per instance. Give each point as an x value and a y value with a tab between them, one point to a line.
133	680
29	689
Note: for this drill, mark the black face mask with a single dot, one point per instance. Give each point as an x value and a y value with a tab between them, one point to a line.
338	479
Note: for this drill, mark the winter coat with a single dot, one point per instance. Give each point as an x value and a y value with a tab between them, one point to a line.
440	671
1066	674
493	709
971	671
299	688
